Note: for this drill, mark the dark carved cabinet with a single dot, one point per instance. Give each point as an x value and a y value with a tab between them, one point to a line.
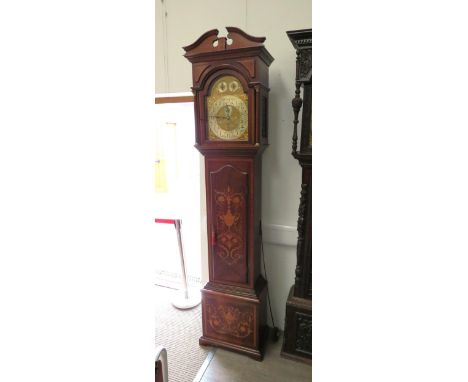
297	343
230	86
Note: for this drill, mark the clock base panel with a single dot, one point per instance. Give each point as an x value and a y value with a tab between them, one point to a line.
235	322
297	340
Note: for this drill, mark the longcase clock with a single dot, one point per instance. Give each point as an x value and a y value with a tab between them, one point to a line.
230	86
297	340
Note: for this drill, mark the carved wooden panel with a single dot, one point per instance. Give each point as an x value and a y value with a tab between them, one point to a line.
306	125
229	199
305	64
303	333
297	340
302	278
230	319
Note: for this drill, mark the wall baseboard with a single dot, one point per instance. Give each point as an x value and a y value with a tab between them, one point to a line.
174	280
279	234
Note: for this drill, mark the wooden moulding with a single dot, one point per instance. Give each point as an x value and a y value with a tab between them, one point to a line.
178	99
301	39
236	40
210	42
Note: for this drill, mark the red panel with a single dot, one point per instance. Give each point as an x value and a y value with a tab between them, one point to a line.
165	221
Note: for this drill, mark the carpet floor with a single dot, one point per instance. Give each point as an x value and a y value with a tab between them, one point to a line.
178	331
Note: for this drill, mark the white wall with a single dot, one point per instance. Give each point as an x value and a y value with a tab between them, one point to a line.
178	140
180	23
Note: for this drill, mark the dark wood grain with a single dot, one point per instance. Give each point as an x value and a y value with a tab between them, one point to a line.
298	321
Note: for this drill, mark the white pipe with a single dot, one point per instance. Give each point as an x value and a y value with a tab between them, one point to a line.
161	354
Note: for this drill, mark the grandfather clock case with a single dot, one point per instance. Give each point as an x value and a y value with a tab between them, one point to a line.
297	341
230	86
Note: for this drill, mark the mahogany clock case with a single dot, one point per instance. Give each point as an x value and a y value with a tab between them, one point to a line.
234	299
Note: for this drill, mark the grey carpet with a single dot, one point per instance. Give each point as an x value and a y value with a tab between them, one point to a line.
178	331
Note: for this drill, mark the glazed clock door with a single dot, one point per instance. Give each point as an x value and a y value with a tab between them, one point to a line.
227	107
228	201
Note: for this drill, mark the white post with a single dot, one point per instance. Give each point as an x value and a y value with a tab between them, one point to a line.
177	225
184	301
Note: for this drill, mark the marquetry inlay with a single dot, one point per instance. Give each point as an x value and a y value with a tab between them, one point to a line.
230	205
231	320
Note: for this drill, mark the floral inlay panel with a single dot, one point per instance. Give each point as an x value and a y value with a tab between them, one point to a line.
229	319
230	206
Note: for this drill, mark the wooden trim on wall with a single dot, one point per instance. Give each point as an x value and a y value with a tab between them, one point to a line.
177	99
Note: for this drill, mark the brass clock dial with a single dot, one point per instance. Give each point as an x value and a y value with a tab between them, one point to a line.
227	109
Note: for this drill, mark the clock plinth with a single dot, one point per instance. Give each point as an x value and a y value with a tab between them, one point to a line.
235	318
230	85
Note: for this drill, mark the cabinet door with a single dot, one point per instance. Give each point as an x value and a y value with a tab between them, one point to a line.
228	223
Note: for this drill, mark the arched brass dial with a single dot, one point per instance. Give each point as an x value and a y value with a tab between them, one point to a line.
227	109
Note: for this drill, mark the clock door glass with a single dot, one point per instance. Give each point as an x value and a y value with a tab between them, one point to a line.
227	108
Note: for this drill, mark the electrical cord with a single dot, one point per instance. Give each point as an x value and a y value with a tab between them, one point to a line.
276	333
